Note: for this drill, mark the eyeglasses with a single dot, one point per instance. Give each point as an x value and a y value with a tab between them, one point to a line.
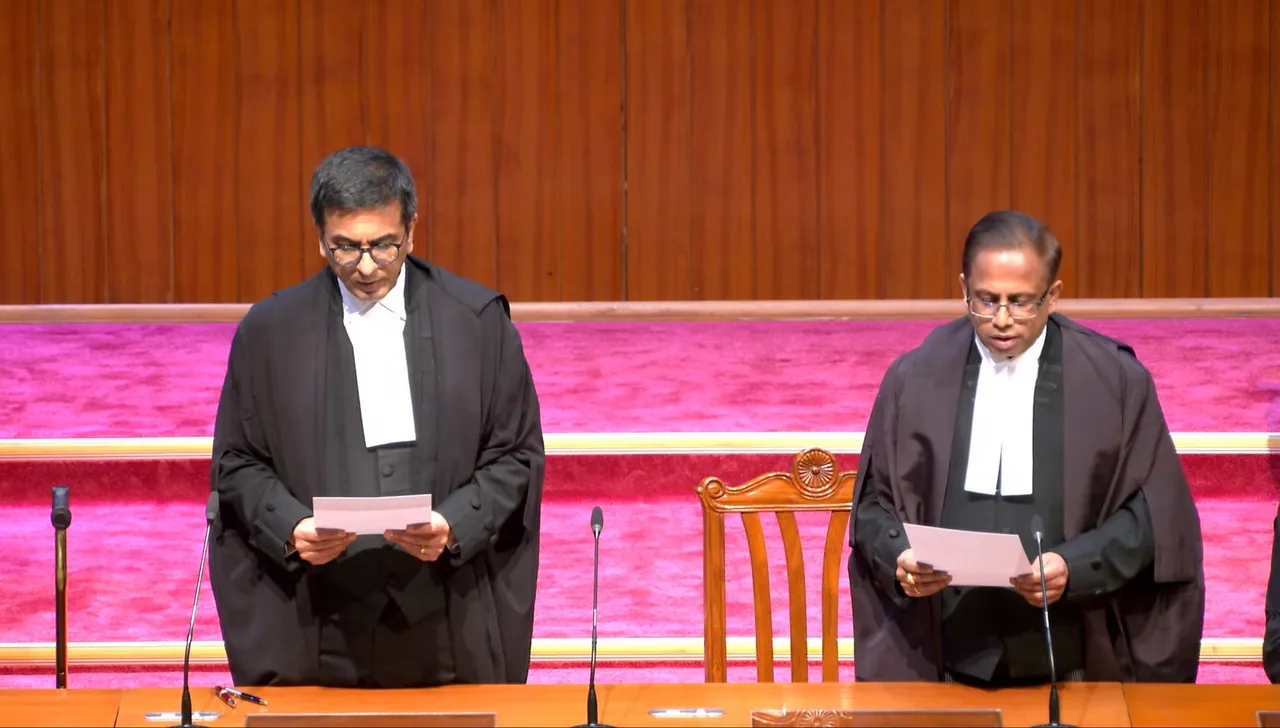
349	256
1018	310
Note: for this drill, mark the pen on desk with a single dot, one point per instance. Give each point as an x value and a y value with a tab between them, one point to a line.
243	696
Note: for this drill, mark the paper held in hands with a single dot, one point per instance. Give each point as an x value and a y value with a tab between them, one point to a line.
972	558
375	515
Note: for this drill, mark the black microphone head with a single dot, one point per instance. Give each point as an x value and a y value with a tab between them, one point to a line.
211	507
597	519
1037	525
61	514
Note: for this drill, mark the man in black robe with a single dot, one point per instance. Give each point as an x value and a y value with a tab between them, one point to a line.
1006	414
380	376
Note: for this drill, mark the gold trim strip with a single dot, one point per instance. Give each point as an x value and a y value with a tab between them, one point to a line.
669	649
943	308
603	443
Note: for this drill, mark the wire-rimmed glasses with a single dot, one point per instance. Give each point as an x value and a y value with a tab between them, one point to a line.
1018	310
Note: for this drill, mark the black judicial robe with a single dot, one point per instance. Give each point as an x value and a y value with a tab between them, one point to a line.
479	432
1271	637
1115	444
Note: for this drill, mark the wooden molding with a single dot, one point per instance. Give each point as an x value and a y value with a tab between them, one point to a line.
680	310
589	443
618	649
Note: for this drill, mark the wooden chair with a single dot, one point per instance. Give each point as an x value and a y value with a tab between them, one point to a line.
814	484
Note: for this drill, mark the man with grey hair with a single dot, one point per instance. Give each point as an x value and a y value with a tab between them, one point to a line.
382	375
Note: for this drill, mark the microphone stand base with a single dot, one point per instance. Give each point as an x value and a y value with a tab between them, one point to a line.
593	725
1054	725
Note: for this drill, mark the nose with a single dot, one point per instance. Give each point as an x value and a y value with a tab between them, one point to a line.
1003	320
366	267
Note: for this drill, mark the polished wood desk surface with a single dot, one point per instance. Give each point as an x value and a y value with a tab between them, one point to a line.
1093	704
50	707
1199	705
1096	704
1083	704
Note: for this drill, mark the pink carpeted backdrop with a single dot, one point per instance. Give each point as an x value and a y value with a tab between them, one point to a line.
101	380
135	539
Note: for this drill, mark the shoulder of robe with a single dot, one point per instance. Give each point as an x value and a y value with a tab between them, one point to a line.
474	297
285	304
939	345
1105	348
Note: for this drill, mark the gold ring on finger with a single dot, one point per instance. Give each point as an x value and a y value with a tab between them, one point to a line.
422	550
911	578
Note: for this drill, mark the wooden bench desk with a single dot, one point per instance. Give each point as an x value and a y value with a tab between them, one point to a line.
1083	704
40	707
1093	704
1199	705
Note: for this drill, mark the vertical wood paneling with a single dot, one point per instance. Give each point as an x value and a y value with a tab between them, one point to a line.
527	192
849	193
915	253
273	238
332	100
1043	154
1108	44
396	95
590	142
19	163
1273	130
643	149
978	112
657	150
204	99
463	208
1239	111
786	172
71	125
723	255
139	156
1174	162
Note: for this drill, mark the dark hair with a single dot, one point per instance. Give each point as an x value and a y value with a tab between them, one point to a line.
1006	229
362	178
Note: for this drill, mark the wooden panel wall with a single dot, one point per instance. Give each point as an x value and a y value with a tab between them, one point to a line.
161	150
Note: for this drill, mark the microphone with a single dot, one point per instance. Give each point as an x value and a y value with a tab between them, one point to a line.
1037	525
593	717
210	515
60	516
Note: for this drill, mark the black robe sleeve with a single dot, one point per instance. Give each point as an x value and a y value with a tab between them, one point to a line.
1161	612
1271	639
877	533
1103	560
513	452
242	473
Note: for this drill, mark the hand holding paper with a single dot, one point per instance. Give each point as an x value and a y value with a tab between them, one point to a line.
1055	577
972	558
424	541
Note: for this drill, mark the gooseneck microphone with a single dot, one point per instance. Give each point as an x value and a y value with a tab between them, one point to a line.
210	515
1037	526
593	716
60	516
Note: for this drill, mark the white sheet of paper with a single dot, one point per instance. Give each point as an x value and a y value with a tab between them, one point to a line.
373	515
972	558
